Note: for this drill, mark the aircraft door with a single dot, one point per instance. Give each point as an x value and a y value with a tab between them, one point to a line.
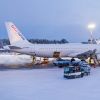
56	54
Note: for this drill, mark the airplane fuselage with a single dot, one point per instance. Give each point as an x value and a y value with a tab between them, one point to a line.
47	50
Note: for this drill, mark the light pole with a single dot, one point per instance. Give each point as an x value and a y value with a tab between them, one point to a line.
91	27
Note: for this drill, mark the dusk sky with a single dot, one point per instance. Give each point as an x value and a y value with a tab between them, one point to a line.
51	19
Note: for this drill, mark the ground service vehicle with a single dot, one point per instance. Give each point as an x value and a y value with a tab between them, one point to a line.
76	69
71	72
60	62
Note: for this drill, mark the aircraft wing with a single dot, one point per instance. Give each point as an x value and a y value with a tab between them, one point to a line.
21	50
84	54
14	47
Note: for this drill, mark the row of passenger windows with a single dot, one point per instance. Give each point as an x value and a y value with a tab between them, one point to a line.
53	48
62	49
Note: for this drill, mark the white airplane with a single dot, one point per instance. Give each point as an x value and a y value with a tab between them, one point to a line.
21	45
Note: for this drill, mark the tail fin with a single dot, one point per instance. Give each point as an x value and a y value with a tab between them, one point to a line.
14	34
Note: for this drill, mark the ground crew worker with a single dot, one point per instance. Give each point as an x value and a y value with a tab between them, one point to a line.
33	59
72	59
92	62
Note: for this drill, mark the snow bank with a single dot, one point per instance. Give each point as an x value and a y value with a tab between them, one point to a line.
15	59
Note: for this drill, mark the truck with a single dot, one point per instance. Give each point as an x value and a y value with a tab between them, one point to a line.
76	70
61	62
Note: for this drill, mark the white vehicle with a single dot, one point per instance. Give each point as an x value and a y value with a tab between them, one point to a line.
21	45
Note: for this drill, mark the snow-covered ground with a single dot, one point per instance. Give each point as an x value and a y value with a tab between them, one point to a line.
48	84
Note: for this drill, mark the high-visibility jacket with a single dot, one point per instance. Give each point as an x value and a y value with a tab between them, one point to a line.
90	61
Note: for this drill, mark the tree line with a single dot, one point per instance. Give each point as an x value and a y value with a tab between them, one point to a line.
39	41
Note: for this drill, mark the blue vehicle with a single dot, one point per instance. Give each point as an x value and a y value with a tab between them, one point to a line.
61	63
76	69
72	72
86	67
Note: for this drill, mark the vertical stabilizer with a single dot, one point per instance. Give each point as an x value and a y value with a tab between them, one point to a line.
14	34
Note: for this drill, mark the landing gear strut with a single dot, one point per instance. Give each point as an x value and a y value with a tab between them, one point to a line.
33	59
